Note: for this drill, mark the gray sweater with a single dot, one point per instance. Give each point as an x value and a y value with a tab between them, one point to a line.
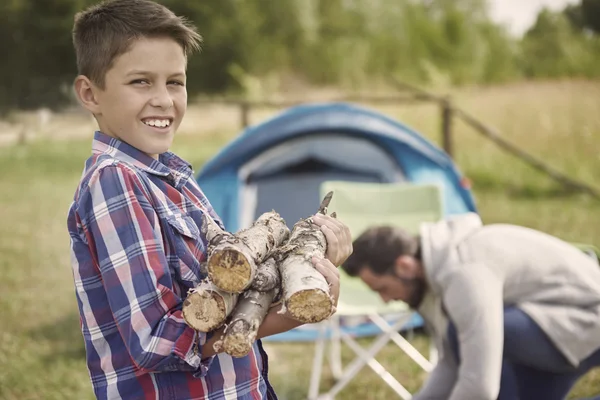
474	271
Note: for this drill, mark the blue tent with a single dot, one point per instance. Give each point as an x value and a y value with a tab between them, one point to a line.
279	164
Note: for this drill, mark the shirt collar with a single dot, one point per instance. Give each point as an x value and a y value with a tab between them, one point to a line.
166	164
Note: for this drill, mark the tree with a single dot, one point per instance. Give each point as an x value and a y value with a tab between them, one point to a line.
585	15
41	65
552	49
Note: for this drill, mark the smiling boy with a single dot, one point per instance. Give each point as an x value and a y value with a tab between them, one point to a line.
134	223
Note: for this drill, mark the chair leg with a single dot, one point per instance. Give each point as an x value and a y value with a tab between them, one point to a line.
315	378
335	351
378	369
356	365
401	342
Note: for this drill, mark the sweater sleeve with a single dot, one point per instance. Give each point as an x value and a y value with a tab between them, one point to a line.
441	380
473	299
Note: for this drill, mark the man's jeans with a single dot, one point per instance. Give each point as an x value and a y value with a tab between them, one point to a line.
532	367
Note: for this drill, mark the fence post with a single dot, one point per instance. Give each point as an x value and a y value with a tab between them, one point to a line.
447	127
245	114
22	138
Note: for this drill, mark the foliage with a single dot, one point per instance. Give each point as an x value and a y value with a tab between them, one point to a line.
350	43
553	49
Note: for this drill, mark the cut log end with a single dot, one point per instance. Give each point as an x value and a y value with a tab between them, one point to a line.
310	306
230	270
204	311
239	339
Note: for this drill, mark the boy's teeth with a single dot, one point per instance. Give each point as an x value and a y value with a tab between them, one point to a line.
156	122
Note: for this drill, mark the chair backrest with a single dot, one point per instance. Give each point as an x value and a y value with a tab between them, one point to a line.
362	205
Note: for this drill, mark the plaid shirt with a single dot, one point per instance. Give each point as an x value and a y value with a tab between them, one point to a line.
136	251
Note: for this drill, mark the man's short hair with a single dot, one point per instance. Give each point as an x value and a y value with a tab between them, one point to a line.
379	247
103	32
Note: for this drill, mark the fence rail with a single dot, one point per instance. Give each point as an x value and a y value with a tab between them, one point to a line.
448	111
407	94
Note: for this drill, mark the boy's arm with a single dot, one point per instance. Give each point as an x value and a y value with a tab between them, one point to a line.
122	231
275	322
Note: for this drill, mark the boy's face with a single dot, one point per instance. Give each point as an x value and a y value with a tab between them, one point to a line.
144	98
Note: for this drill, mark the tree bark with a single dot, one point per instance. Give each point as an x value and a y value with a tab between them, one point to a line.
213	232
305	291
207	307
267	276
233	258
248	315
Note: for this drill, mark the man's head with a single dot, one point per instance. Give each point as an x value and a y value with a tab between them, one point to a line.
132	59
388	260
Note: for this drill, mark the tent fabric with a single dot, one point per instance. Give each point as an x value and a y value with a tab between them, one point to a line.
281	163
353	154
286	177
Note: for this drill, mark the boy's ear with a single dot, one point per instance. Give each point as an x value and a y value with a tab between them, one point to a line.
85	91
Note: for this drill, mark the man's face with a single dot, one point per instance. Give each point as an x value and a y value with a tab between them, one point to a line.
393	288
144	98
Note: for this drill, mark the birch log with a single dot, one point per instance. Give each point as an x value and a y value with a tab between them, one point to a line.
267	276
213	232
207	307
305	291
246	318
233	258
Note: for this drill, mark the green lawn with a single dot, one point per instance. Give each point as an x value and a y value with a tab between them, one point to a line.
41	350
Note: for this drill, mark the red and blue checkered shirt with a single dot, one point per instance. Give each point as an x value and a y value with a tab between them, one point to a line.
136	251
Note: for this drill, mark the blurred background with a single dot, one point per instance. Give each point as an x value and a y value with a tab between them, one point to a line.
528	70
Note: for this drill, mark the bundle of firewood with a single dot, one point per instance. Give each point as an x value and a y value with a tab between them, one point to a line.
249	270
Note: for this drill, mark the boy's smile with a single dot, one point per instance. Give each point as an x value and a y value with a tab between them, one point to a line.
144	98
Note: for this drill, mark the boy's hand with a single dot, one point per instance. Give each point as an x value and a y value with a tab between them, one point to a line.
339	240
331	275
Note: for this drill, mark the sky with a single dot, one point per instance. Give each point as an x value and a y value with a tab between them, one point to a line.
519	15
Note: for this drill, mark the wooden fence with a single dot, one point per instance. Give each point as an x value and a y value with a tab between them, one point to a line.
410	94
245	108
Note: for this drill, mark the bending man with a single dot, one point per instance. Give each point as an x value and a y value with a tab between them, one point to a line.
515	312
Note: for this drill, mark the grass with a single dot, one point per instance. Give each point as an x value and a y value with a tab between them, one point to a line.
41	349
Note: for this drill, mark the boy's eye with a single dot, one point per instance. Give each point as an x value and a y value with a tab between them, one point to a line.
178	83
139	82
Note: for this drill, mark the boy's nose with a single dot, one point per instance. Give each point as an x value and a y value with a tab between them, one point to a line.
162	98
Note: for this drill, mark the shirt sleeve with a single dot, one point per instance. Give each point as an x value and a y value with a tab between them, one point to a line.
123	233
473	299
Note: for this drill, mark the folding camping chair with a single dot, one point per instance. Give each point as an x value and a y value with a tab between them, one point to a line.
361	205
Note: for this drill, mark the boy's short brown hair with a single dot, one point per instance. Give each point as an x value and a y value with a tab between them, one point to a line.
105	31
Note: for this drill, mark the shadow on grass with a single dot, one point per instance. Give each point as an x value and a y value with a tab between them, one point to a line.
64	337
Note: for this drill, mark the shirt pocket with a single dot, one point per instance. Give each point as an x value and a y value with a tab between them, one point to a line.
188	250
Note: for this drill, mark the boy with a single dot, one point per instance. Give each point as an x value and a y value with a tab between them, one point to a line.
136	246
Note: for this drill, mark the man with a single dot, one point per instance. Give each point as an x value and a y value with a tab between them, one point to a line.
515	312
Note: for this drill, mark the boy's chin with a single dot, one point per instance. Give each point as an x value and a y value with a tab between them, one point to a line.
154	149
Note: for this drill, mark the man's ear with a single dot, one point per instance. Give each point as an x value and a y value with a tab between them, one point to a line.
405	267
86	92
